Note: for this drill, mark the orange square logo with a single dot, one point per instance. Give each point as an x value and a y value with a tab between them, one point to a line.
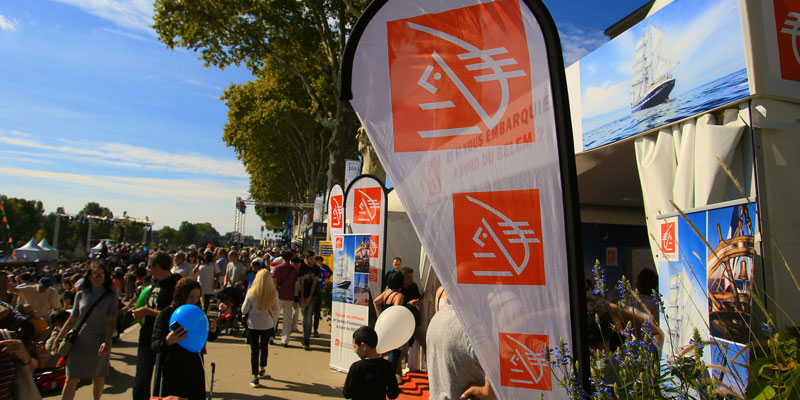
522	362
373	274
337	212
339	243
367	206
456	86
498	238
787	22
668	237
373	246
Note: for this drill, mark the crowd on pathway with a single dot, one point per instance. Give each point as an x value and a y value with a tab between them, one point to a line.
66	320
87	305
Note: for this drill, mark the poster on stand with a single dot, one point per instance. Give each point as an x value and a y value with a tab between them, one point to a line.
365	213
710	289
465	104
350	296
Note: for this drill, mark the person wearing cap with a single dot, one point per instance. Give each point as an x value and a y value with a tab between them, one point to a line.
42	297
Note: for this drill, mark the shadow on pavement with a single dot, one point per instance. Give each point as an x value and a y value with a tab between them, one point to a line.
118	382
239	396
305	388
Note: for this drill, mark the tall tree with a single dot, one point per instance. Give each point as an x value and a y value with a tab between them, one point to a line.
282	147
305	39
25	218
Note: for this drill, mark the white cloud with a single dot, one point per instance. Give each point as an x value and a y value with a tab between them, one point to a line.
130	14
8	25
577	42
603	99
126	34
129	156
164	201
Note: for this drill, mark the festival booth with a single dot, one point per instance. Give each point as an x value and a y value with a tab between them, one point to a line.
686	129
49	253
29	252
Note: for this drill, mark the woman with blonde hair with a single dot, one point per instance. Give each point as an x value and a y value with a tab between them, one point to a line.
261	307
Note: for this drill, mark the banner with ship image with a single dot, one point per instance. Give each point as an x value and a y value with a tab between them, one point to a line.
685	59
350	307
710	289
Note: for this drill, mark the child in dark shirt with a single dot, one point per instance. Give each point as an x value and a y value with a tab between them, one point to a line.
371	378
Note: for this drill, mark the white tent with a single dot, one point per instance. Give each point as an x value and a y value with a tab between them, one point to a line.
29	252
49	253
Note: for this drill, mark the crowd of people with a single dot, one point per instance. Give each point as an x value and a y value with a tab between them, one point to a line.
69	317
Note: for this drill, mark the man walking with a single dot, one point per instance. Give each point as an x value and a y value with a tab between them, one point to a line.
285	278
310	274
160	297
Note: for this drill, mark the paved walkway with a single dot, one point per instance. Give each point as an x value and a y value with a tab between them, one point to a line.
295	373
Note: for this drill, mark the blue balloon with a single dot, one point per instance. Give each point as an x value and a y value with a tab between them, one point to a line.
194	320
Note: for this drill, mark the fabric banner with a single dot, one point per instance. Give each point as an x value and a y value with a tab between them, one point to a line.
465	103
350	296
352	169
336	211
365	213
710	290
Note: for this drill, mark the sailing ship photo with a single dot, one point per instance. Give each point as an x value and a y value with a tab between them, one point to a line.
684	59
651	81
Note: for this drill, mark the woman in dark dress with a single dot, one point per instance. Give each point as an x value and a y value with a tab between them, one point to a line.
179	372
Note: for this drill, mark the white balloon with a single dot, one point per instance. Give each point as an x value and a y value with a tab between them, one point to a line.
394	327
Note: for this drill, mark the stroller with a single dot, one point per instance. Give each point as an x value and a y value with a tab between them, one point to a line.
232	298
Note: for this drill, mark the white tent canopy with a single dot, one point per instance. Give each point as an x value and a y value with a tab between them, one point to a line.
29	251
49	252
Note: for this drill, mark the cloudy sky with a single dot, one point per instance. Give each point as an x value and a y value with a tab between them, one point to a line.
94	108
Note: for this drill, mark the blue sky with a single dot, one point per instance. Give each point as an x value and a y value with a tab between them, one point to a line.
94	108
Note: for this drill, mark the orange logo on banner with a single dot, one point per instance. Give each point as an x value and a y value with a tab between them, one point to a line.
373	246
787	22
668	237
498	237
336	211
339	243
373	274
454	86
522	362
367	205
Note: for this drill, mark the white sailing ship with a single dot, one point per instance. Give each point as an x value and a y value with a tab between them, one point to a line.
651	81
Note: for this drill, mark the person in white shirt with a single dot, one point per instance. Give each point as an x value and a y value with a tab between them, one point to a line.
182	268
207	275
261	307
42	297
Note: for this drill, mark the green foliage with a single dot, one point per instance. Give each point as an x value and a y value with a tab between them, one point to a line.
776	375
288	126
24	218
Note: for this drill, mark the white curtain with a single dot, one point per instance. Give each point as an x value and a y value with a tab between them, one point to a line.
679	164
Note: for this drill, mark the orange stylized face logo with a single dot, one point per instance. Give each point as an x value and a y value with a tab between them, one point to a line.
367	206
457	87
498	238
337	212
522	362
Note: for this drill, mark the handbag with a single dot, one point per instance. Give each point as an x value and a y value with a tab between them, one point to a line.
66	344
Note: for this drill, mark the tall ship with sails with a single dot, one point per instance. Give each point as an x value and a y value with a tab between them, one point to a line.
651	81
